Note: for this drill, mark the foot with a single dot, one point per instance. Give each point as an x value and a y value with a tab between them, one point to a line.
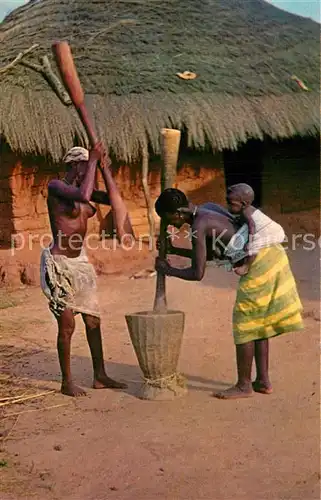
70	389
262	387
235	392
105	382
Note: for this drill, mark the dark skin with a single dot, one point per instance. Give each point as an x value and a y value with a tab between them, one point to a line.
237	205
69	210
205	223
204	226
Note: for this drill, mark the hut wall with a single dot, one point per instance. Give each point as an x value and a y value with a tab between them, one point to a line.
200	176
291	184
26	179
290	188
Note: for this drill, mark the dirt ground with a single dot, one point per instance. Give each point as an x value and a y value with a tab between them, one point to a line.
111	445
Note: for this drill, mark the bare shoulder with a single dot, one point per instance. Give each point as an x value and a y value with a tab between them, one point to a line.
202	223
56	189
54	184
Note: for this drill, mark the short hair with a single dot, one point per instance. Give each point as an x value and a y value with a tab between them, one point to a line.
244	191
169	201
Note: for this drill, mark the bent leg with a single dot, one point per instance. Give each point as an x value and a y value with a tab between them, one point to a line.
262	382
243	387
93	332
66	327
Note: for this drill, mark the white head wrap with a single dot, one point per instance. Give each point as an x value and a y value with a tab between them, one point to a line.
76	154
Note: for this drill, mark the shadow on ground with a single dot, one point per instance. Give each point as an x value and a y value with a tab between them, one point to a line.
42	366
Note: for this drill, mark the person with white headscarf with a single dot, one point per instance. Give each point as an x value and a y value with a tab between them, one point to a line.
68	280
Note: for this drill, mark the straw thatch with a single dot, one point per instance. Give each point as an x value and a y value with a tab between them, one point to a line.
128	54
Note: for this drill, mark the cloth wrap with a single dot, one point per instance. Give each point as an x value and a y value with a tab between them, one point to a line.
76	154
267	233
267	302
69	283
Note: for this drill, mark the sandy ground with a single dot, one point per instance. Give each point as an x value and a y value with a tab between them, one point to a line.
111	445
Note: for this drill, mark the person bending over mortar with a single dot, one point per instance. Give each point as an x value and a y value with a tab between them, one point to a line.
67	278
267	302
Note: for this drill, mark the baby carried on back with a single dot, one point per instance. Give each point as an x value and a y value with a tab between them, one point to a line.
242	245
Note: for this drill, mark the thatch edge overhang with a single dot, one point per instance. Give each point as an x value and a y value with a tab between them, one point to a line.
38	123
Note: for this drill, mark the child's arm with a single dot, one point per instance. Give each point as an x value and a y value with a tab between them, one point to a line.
247	216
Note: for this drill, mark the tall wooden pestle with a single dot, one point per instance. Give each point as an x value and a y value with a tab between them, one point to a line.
68	72
170	141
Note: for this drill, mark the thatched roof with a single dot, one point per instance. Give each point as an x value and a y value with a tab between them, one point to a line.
128	54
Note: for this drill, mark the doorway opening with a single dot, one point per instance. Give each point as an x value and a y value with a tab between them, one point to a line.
246	165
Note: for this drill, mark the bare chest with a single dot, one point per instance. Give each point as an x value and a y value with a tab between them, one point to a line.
72	215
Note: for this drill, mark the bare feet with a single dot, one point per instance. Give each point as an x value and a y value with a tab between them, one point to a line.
262	387
235	392
105	382
69	389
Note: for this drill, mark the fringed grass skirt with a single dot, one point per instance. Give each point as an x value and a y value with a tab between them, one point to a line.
69	283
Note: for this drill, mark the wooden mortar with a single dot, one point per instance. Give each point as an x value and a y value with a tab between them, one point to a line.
157	335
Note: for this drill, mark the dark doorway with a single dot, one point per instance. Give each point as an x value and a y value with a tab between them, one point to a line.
7	162
246	165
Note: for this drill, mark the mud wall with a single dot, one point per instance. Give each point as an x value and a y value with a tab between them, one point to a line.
24	180
290	193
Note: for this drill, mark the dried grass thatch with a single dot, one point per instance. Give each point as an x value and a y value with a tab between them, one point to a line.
129	54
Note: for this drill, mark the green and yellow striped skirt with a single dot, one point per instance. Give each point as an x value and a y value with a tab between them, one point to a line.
267	302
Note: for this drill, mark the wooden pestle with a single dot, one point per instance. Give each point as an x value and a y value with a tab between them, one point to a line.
170	148
68	72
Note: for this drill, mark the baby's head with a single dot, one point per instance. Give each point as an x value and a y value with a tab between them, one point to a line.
238	197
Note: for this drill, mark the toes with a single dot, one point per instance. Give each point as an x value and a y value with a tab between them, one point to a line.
261	388
73	391
109	383
218	395
122	386
232	393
